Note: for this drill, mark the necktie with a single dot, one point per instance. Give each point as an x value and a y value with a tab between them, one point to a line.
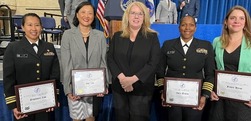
185	48
35	47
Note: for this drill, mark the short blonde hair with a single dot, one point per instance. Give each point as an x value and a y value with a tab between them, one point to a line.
146	20
246	31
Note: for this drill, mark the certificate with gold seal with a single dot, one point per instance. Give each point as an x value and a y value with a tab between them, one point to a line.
36	97
182	92
88	82
233	85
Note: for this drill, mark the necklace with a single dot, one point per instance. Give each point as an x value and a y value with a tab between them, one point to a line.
85	34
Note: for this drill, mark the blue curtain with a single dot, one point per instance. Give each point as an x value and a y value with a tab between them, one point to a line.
214	11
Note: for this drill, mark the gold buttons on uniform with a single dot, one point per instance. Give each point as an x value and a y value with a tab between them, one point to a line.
38	78
185	59
38	64
184	67
183	74
37	71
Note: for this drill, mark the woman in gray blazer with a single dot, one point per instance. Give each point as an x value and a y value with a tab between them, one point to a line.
166	12
82	47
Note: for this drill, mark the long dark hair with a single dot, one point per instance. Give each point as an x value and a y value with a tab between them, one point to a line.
75	19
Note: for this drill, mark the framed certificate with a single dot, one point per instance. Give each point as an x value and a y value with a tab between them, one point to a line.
182	92
36	97
88	82
233	85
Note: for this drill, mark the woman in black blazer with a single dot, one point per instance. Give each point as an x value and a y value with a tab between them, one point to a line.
132	58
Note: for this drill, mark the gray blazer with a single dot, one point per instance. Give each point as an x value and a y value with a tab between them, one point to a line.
73	54
166	15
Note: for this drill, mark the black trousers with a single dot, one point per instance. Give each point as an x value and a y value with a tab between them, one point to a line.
160	111
229	110
42	116
129	107
183	114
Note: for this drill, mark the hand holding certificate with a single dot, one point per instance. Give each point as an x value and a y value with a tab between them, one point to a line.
88	82
233	85
36	97
182	91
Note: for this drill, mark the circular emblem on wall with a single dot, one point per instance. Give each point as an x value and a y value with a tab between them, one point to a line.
125	3
150	6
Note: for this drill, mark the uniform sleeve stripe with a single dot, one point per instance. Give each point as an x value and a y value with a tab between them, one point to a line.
10	99
8	102
208	86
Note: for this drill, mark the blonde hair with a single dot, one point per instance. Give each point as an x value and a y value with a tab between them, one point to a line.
246	30
146	20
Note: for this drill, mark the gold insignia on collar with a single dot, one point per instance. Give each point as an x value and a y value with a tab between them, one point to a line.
202	50
49	53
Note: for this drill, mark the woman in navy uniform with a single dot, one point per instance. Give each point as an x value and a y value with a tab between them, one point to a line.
23	65
188	57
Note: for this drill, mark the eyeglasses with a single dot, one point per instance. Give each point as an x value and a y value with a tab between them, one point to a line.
140	14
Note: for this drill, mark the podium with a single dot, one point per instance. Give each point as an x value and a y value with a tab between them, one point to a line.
114	25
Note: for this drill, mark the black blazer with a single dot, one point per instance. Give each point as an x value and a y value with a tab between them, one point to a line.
21	65
144	59
197	63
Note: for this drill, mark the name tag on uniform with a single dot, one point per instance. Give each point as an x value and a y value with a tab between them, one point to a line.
22	55
170	52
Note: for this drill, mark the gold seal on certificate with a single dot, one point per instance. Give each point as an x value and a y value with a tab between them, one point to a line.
36	97
233	85
88	82
182	91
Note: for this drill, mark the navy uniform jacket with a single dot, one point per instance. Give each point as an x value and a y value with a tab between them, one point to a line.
143	63
198	63
21	65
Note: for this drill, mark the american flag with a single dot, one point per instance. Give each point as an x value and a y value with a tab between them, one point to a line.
100	15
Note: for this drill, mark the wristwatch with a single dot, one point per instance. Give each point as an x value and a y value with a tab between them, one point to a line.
206	96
